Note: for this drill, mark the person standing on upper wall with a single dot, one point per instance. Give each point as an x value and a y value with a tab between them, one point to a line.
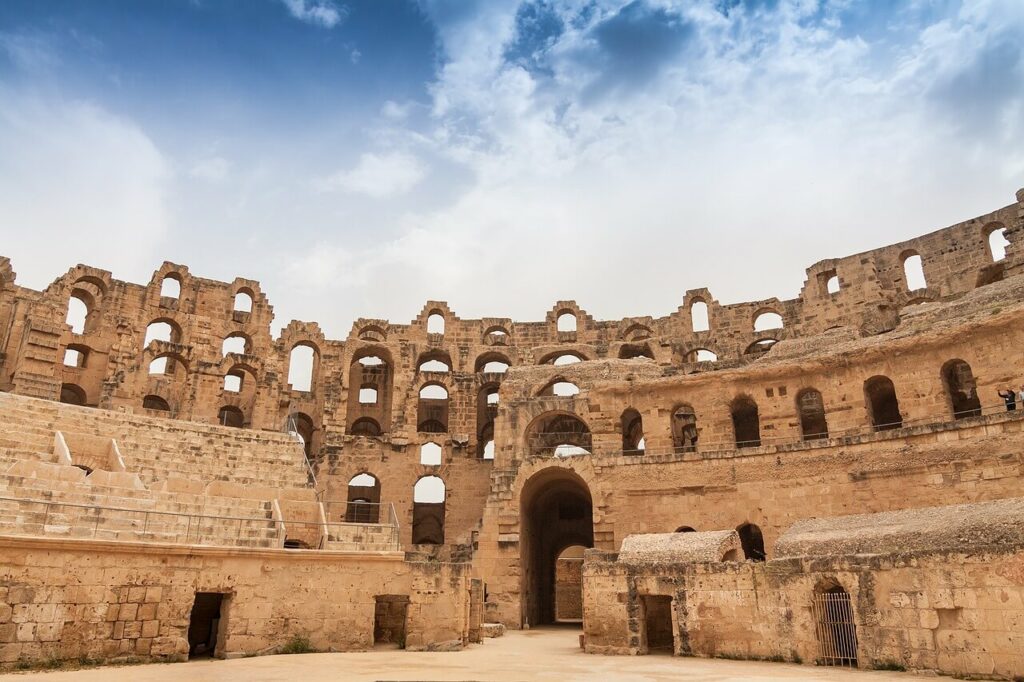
1010	398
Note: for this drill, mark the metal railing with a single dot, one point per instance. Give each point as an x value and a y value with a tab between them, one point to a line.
91	521
353	522
539	444
291	428
142	524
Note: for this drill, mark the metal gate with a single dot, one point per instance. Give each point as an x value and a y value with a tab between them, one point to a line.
836	630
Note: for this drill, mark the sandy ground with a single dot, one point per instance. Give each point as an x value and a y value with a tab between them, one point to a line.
542	654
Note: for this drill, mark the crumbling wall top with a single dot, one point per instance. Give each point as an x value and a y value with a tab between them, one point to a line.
675	548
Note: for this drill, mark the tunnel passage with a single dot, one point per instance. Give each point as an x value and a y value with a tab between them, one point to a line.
556	512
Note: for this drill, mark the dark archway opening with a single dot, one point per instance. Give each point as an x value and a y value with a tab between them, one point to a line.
752	541
883	406
961	388
203	624
746	423
658	634
835	627
556	513
810	404
72	394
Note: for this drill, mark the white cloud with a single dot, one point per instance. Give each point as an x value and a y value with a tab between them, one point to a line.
317	12
377	175
77	185
212	169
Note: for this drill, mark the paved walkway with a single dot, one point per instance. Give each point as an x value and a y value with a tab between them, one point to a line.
542	654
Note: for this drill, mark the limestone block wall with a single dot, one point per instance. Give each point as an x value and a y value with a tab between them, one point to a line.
69	599
958	464
959	614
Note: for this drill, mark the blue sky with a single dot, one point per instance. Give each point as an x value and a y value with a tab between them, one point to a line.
359	158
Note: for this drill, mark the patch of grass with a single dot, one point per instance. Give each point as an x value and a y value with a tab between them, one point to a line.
299	644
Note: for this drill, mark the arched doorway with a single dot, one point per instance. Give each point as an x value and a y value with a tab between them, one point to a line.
556	512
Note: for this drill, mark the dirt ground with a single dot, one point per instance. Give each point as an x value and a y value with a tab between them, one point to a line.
540	654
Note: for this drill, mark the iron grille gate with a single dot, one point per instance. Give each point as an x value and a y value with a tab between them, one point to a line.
836	630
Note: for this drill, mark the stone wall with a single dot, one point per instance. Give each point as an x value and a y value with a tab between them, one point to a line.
959	614
71	599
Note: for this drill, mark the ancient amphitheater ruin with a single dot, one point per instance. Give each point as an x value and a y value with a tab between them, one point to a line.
836	479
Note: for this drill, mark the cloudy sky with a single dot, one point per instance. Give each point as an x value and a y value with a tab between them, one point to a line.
359	158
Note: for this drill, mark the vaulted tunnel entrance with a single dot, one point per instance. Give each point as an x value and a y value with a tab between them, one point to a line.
556	513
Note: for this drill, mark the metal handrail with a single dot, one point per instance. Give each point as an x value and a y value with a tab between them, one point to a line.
195	521
291	428
724	446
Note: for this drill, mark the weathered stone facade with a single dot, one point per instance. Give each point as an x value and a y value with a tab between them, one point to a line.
870	397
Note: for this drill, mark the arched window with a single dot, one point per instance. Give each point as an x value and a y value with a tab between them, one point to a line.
559	434
752	542
632	432
434	392
162	330
486	412
566	322
685	529
746	422
430	454
811	407
767	320
684	429
72	394
432	412
300	367
832	284
997	243
243	302
699	316
170	287
495	367
78	311
760	347
235	343
701	355
883	407
913	271
363	505
76	356
962	389
365	426
566	359
435	323
233	381
488	451
230	415
496	336
560	388
155	402
434	365
428	511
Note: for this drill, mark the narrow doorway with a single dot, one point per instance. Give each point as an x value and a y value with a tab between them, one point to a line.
203	624
389	615
658	634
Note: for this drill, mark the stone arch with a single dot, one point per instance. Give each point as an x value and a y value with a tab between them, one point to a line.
428	510
156	403
231	415
490	363
437	361
882	404
556	512
746	422
684	428
752	542
811	408
961	389
632	426
362	499
913	270
560	358
371	367
432	408
555	430
303	366
73	394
